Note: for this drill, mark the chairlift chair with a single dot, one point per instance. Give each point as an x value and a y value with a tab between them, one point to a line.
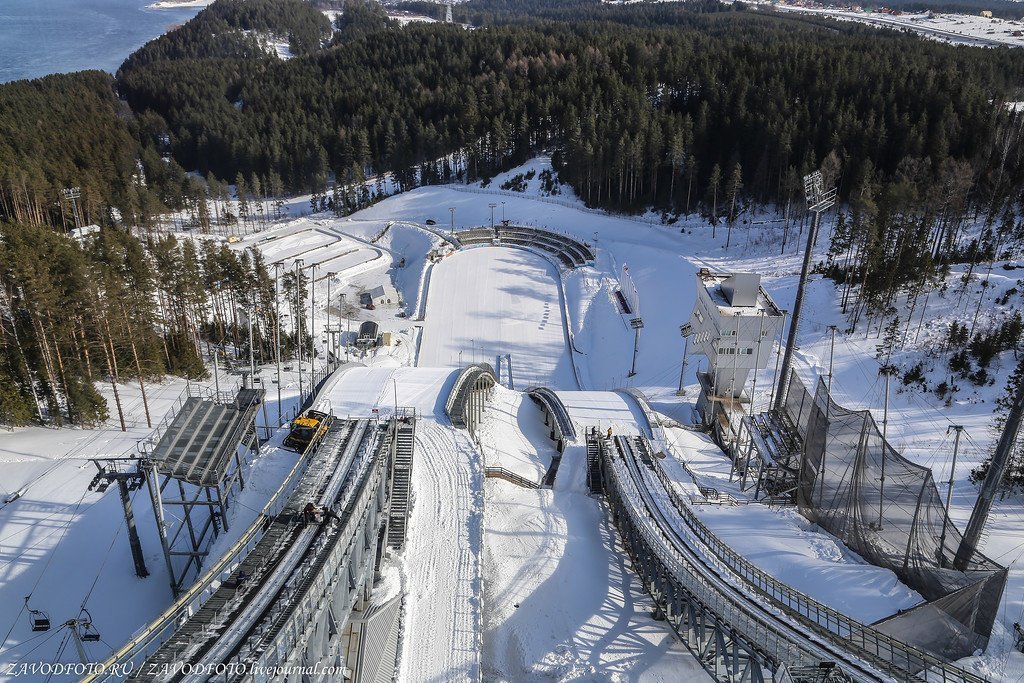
39	620
86	631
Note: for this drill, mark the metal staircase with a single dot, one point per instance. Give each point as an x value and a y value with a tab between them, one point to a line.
401	480
594	481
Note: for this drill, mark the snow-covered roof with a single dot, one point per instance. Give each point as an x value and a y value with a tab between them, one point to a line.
737	292
385	290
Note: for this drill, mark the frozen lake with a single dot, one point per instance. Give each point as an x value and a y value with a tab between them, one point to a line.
39	38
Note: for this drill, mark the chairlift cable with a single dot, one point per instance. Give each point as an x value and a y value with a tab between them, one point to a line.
106	556
35	637
48	635
39	578
60	651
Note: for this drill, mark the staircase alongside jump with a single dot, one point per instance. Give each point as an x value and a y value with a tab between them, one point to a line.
401	481
594	481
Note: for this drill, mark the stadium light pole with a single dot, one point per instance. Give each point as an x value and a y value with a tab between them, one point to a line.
637	324
451	210
503	213
73	194
818	200
686	331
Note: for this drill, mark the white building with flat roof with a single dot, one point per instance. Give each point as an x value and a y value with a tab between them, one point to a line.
732	324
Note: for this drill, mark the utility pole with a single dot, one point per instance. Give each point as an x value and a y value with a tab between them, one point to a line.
313	334
637	324
949	492
831	365
757	359
252	345
818	200
831	359
334	356
216	370
996	470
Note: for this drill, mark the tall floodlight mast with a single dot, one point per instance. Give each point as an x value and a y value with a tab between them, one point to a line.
819	200
73	194
996	470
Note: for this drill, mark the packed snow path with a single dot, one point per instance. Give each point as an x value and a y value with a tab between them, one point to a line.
486	302
441	564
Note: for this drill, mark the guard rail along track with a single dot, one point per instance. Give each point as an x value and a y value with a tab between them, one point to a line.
798	605
552	405
710	605
209	637
305	622
460	404
214	599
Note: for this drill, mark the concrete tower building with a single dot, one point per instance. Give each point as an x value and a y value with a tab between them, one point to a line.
732	324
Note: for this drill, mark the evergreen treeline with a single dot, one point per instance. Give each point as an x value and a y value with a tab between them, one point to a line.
112	309
702	107
640	117
69	130
233	28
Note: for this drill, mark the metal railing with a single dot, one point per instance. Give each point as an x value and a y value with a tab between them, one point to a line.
511	477
808	610
149	638
776	645
549	399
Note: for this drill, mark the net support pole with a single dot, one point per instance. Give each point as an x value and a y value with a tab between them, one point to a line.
996	470
949	492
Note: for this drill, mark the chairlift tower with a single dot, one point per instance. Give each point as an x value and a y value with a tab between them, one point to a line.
819	200
111	472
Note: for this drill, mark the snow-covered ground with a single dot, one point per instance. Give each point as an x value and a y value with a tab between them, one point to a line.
440	572
479	549
962	29
487	302
560	602
66	547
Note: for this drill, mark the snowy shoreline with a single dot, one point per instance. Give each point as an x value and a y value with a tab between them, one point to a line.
179	4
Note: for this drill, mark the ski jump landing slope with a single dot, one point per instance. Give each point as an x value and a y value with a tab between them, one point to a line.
442	558
486	302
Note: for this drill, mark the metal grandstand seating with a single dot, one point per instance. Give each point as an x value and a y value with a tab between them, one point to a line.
569	252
